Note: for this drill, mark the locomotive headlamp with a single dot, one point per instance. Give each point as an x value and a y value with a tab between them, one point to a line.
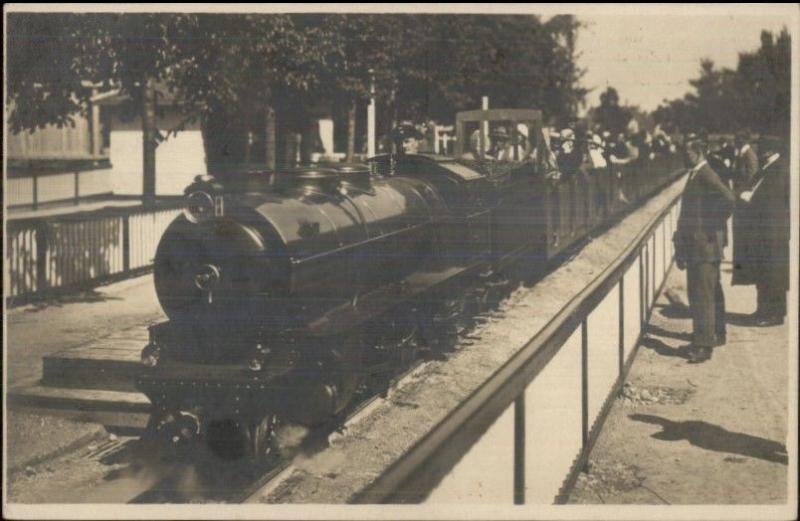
260	352
199	207
150	355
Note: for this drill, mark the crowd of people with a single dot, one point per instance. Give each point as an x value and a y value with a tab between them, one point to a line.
726	178
568	149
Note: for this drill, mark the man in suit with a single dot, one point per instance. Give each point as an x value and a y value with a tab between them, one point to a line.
699	240
746	163
763	212
743	170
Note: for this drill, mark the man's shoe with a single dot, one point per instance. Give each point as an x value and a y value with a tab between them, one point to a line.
720	340
698	355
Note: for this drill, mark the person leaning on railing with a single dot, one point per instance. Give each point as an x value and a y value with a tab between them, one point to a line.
622	152
699	240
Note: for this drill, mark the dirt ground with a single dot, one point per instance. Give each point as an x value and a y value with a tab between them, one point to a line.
48	327
713	433
53	325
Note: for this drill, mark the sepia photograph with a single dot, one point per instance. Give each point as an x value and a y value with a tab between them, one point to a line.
400	261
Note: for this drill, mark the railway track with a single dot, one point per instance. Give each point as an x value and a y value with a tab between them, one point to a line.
138	480
233	483
243	482
135	479
222	482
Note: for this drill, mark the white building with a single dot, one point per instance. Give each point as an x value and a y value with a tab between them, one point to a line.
179	158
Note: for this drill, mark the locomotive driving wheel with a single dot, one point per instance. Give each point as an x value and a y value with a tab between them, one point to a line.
258	438
243	439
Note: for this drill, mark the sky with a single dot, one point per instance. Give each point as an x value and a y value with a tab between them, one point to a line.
650	58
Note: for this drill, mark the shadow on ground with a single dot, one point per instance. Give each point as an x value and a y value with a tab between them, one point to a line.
713	437
677	311
673	310
84	297
664	349
660	331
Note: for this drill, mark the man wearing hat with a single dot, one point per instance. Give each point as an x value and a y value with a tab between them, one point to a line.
500	141
699	239
745	230
761	230
406	138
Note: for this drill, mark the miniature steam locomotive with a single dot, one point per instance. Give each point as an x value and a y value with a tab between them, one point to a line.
285	292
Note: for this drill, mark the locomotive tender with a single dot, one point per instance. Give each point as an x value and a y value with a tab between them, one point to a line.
285	292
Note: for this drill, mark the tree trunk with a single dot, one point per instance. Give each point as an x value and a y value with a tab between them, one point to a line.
149	144
224	140
270	150
351	132
308	139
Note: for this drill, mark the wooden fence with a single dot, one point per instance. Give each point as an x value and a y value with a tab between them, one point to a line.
47	255
33	189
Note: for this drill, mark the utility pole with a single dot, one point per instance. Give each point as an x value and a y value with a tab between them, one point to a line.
484	134
371	116
485	124
96	146
351	131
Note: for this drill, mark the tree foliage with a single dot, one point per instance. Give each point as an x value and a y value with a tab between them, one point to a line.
610	115
226	68
756	95
430	66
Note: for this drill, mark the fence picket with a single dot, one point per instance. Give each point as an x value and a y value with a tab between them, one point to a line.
81	250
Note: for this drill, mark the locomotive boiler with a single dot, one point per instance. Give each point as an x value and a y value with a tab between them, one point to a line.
287	292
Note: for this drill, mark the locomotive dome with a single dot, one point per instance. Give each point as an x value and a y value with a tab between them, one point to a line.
309	178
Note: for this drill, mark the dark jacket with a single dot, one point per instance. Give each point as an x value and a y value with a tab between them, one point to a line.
705	207
745	168
761	231
745	230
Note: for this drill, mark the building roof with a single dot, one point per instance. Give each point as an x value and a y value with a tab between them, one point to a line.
115	96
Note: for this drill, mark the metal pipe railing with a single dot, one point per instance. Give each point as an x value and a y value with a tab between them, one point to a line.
421	469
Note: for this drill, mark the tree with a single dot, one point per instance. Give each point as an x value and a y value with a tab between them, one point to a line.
517	61
755	95
763	84
222	69
610	115
234	72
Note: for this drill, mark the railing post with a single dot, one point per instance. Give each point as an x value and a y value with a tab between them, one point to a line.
126	243
35	199
646	282
585	384
77	178
663	227
519	450
641	290
653	285
621	325
41	256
